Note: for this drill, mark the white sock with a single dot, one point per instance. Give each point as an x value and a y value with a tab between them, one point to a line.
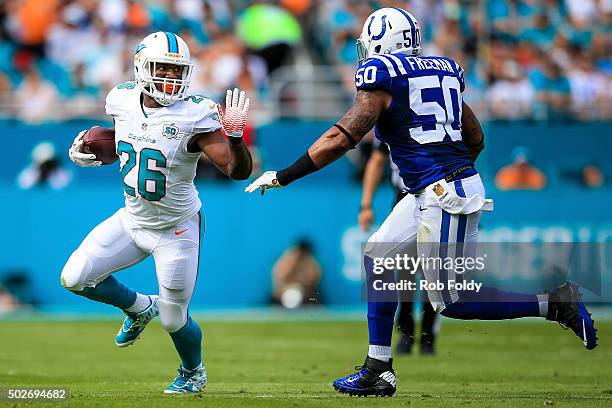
142	302
382	353
543	303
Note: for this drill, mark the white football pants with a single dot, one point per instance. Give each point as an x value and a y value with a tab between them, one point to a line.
416	227
118	243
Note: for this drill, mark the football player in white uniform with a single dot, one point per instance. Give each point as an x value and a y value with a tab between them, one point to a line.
160	133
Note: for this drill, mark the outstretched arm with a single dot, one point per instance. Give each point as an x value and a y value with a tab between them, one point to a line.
472	133
333	144
357	122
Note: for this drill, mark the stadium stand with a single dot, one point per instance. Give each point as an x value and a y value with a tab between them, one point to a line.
524	59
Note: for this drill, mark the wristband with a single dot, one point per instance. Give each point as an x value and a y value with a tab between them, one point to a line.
301	168
234	140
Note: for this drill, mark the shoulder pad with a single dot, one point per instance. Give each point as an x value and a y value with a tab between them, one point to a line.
198	106
119	98
458	70
127	85
202	111
378	71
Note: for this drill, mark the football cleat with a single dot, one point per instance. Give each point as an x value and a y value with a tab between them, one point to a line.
188	381
404	344
565	306
135	323
375	377
427	344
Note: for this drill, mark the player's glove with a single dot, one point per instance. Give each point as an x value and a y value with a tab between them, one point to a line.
78	157
265	182
234	118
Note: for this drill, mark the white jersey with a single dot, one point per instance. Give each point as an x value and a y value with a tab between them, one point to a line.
156	167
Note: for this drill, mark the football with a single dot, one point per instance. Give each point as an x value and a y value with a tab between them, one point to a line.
101	142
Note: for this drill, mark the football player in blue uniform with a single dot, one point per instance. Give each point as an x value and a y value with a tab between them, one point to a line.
415	104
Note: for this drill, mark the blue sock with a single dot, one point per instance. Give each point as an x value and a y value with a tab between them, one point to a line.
381	314
110	291
188	343
493	304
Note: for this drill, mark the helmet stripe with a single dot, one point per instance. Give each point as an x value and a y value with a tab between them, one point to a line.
412	27
172	43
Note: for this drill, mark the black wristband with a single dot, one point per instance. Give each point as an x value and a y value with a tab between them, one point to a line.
234	140
346	134
301	168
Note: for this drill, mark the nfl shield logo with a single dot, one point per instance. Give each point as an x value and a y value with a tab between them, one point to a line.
438	190
170	130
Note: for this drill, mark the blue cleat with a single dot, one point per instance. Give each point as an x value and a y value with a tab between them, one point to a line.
565	306
135	323
188	381
375	377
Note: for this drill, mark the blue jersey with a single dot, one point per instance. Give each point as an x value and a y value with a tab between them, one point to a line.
422	127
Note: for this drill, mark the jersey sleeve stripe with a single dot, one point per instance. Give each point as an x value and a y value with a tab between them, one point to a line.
390	68
399	62
412	27
459	68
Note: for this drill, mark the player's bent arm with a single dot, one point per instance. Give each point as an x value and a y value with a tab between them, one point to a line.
472	133
232	158
342	137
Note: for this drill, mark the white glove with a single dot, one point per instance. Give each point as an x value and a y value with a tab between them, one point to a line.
265	182
234	118
78	157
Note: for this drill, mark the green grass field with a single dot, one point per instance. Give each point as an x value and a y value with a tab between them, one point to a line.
291	364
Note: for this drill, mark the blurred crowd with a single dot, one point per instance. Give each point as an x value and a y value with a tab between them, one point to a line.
59	58
524	59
